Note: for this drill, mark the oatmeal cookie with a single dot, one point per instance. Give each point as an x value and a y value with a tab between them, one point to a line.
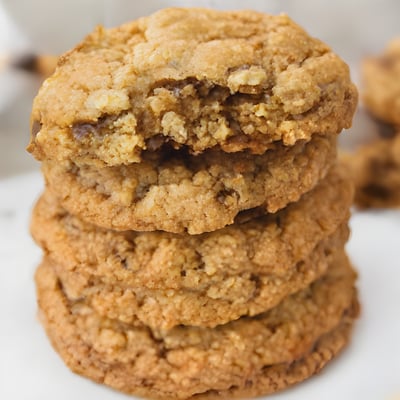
173	191
375	169
241	269
381	84
254	355
190	77
221	299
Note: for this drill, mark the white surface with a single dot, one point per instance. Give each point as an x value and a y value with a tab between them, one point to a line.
29	368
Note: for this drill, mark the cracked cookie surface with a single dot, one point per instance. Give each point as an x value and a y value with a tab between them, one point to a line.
190	77
251	355
176	192
224	297
206	279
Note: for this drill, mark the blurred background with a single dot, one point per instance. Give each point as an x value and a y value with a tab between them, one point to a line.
353	28
29	369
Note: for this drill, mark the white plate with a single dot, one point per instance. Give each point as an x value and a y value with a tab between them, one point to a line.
31	370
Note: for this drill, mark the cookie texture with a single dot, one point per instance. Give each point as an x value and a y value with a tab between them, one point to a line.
176	192
168	279
273	378
224	298
375	170
381	84
251	355
190	77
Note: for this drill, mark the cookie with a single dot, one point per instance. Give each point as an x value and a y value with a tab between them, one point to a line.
224	299
375	169
43	64
271	379
381	84
209	279
176	192
249	356
190	77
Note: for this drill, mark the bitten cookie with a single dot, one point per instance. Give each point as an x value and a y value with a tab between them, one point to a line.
381	84
167	279
190	77
249	356
176	192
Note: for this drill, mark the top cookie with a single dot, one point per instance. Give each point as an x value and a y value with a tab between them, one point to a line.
191	77
381	84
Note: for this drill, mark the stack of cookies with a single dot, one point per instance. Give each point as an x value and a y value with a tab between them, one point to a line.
194	219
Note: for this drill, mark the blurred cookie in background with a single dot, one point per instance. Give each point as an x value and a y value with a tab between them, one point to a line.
41	64
373	154
375	168
381	84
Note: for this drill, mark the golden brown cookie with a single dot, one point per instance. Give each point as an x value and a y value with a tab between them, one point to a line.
375	169
253	356
221	299
190	77
176	192
209	279
381	84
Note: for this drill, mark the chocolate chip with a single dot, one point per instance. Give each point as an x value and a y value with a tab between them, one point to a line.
387	62
250	214
386	131
81	130
218	93
124	263
26	62
35	128
242	67
224	194
155	142
375	190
